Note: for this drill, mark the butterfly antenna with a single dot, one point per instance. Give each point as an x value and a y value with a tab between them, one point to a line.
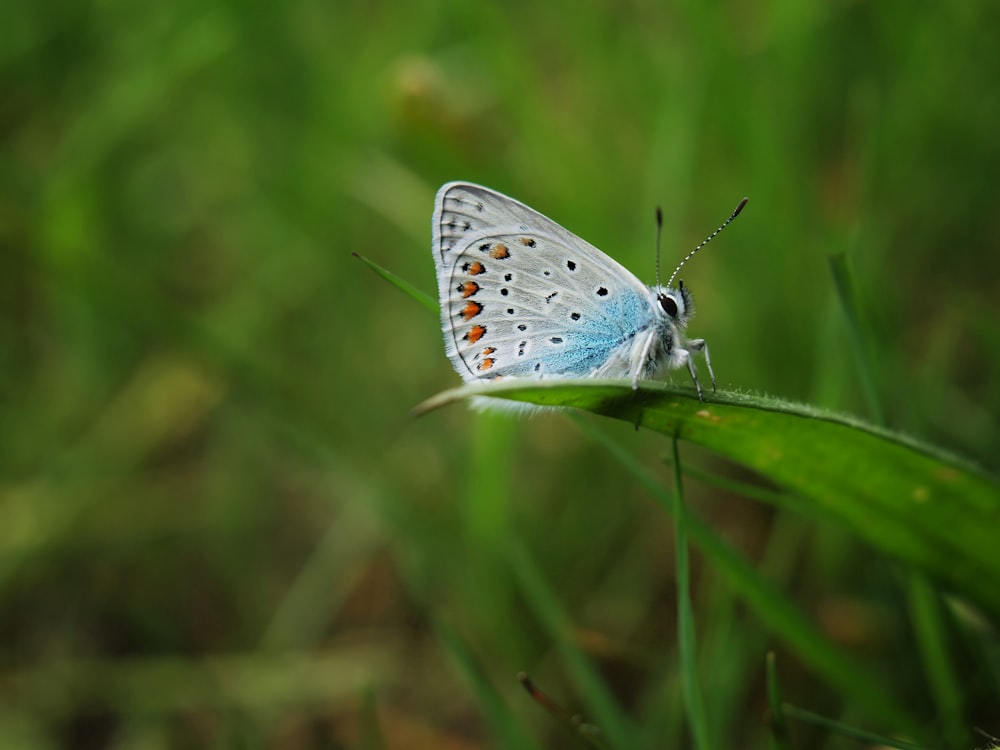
659	232
704	242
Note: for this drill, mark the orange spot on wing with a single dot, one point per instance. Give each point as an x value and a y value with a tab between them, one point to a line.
527	242
475	333
471	310
489	350
499	251
468	288
486	364
474	268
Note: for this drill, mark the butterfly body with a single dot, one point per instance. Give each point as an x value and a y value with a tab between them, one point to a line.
523	297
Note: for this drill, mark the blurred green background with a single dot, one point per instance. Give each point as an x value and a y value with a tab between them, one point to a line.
219	525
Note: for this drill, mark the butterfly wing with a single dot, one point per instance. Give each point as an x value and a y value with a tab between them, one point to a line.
521	296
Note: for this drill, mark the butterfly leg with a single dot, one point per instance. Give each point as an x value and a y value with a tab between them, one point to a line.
694	374
699	345
639	363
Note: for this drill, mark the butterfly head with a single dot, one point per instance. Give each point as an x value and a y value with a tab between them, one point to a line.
675	305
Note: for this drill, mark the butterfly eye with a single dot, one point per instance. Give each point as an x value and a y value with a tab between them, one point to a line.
669	305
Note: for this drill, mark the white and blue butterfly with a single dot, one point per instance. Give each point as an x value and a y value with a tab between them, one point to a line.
522	297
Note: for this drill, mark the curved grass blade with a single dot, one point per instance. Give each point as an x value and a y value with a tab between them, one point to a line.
915	503
400	283
859	735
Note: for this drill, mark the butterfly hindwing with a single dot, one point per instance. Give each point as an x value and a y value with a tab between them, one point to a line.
521	296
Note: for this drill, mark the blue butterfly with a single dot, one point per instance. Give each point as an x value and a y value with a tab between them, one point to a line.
522	297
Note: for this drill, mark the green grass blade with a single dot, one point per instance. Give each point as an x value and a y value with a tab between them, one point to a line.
779	726
690	683
917	504
867	738
927	618
400	283
857	329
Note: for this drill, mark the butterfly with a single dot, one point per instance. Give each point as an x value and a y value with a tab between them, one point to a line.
522	297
